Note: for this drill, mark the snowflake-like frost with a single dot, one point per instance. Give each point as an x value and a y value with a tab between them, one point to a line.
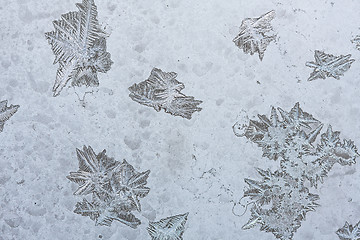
256	34
327	65
162	91
79	46
281	199
170	228
349	232
6	112
115	188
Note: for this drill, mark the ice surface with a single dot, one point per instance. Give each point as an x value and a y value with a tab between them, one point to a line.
197	165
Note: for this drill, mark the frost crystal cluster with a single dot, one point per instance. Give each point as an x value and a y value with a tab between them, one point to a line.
256	34
171	228
115	188
162	91
327	65
6	112
79	46
282	198
349	232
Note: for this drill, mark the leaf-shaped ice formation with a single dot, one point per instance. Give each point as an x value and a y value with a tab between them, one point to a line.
170	228
349	232
6	112
356	41
115	188
162	91
79	46
291	138
256	34
327	65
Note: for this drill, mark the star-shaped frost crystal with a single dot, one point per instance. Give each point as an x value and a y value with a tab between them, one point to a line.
327	65
131	183
94	171
170	228
115	188
256	34
6	112
349	232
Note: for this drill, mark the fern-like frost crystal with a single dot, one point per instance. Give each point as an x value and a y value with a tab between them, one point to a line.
6	112
327	65
79	46
281	199
115	188
256	34
162	91
171	228
349	232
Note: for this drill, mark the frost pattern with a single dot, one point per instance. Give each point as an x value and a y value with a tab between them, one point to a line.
79	46
171	228
162	91
256	34
115	188
281	199
327	65
356	41
281	203
349	232
6	112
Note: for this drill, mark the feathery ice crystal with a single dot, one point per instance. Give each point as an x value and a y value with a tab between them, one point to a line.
162	91
79	46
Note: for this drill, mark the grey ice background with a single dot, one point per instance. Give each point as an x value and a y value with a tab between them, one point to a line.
197	166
